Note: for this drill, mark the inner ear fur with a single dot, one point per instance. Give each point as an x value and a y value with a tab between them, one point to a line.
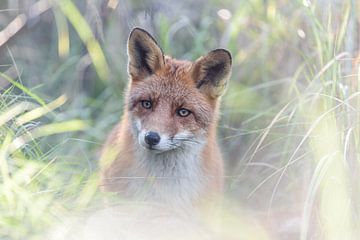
145	56
212	72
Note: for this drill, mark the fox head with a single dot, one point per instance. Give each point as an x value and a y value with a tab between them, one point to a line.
172	104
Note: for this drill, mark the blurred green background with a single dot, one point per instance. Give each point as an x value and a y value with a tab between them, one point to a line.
289	128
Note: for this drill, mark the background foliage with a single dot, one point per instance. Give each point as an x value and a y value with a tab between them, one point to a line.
290	118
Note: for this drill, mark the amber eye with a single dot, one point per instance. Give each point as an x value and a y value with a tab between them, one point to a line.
182	112
146	104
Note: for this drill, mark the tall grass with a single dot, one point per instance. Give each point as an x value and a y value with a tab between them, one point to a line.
31	179
290	121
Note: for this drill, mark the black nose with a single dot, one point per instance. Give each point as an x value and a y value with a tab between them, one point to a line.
152	138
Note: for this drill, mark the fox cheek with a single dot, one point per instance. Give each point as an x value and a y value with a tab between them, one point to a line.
136	126
212	72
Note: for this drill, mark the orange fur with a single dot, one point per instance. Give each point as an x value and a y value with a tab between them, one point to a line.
170	84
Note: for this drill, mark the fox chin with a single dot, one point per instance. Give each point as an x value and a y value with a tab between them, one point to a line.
164	149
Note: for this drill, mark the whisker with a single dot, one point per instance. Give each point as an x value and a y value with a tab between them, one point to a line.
173	144
186	140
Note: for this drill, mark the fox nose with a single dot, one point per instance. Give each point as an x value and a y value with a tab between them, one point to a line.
152	138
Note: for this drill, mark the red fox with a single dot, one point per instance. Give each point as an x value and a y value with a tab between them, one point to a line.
164	149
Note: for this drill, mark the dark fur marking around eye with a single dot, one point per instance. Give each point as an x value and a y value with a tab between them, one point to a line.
141	57
213	74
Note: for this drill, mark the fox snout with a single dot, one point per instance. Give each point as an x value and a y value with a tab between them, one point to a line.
156	142
159	142
152	138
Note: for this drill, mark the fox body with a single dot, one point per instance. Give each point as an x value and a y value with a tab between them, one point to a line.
164	149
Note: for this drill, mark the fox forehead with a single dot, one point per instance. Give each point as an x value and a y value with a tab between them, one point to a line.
173	83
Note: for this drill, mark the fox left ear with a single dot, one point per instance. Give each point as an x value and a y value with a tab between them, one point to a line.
212	72
145	56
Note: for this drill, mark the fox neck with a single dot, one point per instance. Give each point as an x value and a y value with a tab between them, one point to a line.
175	178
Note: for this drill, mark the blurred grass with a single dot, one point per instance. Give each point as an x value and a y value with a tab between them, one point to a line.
82	28
29	180
290	121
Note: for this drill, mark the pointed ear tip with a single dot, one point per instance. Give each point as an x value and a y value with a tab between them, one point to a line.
221	52
135	31
140	33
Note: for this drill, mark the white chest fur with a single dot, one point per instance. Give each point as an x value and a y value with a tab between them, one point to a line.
173	178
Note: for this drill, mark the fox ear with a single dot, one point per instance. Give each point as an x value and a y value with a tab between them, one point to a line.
145	56
212	72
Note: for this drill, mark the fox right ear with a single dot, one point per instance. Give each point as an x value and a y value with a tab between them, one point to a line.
145	56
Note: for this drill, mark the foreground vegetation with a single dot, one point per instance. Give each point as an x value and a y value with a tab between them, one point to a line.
290	119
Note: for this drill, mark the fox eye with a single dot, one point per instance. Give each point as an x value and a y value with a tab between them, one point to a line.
146	104
183	112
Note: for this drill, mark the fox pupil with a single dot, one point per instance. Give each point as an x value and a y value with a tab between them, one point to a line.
182	112
146	104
